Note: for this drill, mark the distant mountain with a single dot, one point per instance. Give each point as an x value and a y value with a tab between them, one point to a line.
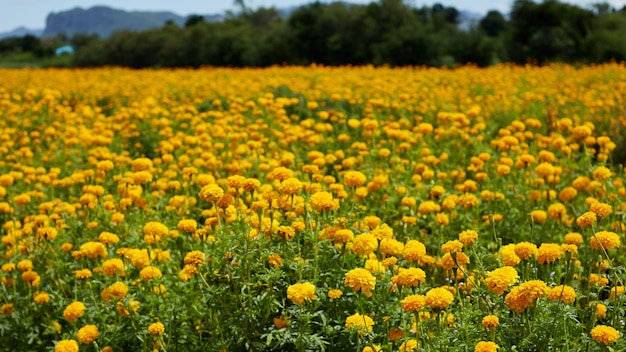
104	21
20	32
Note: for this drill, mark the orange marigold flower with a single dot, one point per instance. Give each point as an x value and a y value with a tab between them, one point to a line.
413	303
601	209
211	193
605	239
150	273
501	279
66	346
414	251
525	250
574	238
548	253
88	334
468	237
354	178
605	334
360	279
409	277
524	295
194	258
300	292
113	267
156	328
439	297
486	346
490	321
74	311
587	219
323	201
564	293
453	246
361	323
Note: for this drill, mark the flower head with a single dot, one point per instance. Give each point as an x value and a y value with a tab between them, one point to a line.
300	292
605	334
88	334
361	323
360	279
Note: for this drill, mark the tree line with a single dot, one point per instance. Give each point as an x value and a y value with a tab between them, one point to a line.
384	32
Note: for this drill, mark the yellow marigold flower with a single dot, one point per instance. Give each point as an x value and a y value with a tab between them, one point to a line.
93	250
567	194
451	261
211	193
82	274
600	310
41	297
538	216
194	258
291	186
414	250
300	292
390	246
88	334
548	253
409	277
156	328
275	260
501	279
360	323
7	309
360	279
364	244
486	346
8	267
524	295
602	173
468	237
564	293
428	207
525	250
108	238
374	266
25	265
587	219
605	334
281	322
601	209
74	311
184	225
413	303
251	184
66	346
150	273
452	246
31	278
439	297
113	267
323	201
335	293
574	238
187	272
235	181
409	345
117	290
468	200
490	321
605	239
141	164
354	179
342	236
373	348
281	173
557	211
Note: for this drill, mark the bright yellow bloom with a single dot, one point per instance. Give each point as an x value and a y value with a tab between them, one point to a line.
439	297
490	321
361	323
66	346
605	239
605	334
486	346
156	328
88	334
74	311
300	292
501	279
360	279
413	303
563	293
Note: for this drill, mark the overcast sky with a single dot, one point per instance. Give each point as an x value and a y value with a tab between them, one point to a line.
32	13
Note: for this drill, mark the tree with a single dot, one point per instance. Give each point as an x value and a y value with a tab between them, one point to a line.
192	20
493	23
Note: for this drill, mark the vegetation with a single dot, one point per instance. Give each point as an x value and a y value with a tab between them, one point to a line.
386	32
313	208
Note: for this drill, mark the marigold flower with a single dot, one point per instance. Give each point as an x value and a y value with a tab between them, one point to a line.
538	216
275	260
564	293
113	267
360	279
323	201
452	246
439	297
184	225
389	246
605	334
601	209
361	323
509	257
605	239
600	310
409	345
300	292
156	328
486	346
574	238
194	258
25	265
587	219
409	277
66	346
501	279
414	250
548	253
7	309
117	290
354	178
150	273
41	297
88	334
524	295
335	293
490	321
525	250
602	173
82	274
364	244
468	237
413	303
74	311
211	193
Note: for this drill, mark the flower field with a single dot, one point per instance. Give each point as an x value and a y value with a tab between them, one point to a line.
292	209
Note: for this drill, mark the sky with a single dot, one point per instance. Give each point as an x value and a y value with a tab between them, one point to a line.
32	13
